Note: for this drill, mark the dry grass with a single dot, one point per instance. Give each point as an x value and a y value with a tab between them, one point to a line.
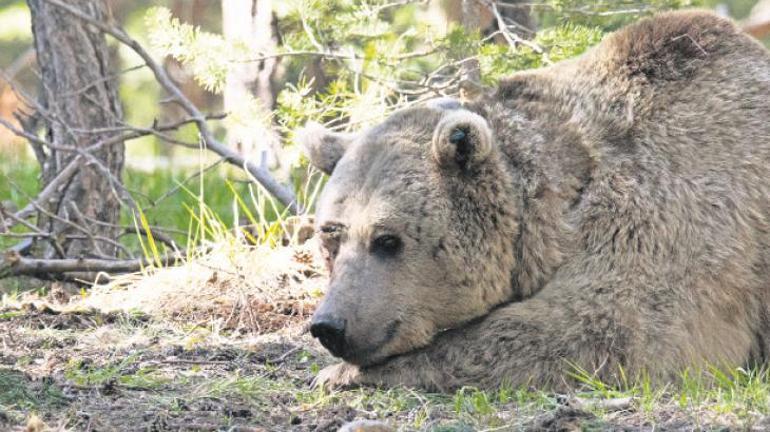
238	287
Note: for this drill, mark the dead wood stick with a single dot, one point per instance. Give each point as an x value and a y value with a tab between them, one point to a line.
261	175
14	264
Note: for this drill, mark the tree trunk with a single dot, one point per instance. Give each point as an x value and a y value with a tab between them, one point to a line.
79	96
251	22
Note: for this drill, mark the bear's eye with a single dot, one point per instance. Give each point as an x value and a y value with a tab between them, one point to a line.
330	229
386	245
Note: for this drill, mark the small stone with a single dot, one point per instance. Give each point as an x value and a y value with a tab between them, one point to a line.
366	426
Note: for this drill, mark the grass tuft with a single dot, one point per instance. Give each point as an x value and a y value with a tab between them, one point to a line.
17	391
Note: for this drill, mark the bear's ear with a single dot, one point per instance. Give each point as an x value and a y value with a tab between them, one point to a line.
323	147
462	139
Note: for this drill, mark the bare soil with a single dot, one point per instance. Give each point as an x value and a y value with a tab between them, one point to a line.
77	372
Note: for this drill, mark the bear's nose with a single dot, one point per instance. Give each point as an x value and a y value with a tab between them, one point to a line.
331	332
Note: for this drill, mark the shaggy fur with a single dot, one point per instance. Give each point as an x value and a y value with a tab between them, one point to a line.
610	211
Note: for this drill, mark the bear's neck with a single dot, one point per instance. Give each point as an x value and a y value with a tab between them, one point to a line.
550	168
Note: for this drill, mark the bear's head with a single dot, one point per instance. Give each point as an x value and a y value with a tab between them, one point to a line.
417	225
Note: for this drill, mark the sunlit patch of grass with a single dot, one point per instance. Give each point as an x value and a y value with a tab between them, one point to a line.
83	374
10	314
738	393
252	217
161	209
464	410
18	182
255	389
496	408
474	402
148	378
393	400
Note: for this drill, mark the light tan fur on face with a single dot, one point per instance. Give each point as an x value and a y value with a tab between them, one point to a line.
612	211
377	296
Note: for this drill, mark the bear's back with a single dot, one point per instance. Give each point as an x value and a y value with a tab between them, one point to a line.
687	90
670	116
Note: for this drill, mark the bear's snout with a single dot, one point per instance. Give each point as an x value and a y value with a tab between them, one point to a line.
330	331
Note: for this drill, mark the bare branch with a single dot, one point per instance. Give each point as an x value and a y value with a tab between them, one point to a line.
87	232
24	134
336	56
23	246
49	191
109	77
14	264
512	38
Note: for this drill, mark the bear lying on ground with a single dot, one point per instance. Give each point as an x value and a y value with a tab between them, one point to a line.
608	212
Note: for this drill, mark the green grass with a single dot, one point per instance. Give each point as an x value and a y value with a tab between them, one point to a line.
146	378
89	375
10	314
173	211
256	389
18	391
191	208
18	181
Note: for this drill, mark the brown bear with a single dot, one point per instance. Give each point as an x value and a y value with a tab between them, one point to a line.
607	212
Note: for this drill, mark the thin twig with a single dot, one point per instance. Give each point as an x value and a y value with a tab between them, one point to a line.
335	55
51	188
181	184
284	356
87	232
107	78
512	38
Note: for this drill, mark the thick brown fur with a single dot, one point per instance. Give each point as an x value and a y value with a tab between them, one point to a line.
621	218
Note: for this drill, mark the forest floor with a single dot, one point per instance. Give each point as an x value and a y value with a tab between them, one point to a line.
210	348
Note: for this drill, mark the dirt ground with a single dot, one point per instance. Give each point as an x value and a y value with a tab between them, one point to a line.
79	362
104	372
90	371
